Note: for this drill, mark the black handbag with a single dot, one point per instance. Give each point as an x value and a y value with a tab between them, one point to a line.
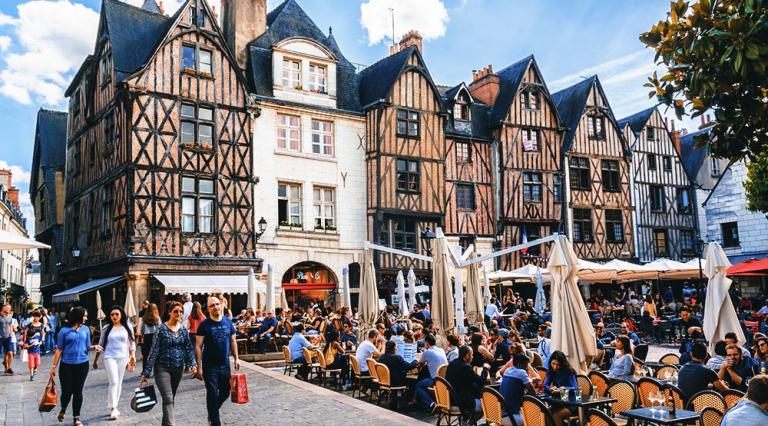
144	398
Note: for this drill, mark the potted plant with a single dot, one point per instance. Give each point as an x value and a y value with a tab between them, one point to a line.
318	227
190	71
330	228
298	86
284	223
206	74
295	225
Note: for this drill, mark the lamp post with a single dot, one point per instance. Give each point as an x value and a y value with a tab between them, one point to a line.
75	251
427	236
699	252
262	227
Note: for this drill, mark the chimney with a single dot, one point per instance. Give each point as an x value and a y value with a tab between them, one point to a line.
485	85
243	21
412	38
13	196
675	135
394	49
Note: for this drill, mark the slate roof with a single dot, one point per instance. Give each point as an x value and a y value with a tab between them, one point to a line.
377	79
509	81
637	120
151	5
692	156
289	20
479	114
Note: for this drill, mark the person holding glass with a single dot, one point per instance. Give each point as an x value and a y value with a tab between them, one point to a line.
562	377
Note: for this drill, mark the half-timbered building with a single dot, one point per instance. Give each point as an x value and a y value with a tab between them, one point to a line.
664	204
46	191
159	187
404	155
597	167
525	122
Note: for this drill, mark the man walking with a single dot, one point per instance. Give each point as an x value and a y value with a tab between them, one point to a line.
7	334
215	339
187	307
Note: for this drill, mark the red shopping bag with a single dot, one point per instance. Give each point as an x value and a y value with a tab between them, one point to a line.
238	388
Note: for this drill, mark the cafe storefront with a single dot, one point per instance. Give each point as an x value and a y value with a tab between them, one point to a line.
309	283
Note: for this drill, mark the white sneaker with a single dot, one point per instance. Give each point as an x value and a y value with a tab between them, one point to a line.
114	414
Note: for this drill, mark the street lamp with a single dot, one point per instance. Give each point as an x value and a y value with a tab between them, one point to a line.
262	228
700	251
426	241
75	251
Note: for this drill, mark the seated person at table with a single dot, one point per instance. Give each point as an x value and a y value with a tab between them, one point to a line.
398	368
334	357
731	339
761	355
694	377
410	347
398	338
347	336
465	381
370	348
296	344
501	352
453	347
690	326
764	309
560	374
623	367
736	370
417	315
753	408
718	359
631	334
434	357
545	344
263	334
480	354
514	384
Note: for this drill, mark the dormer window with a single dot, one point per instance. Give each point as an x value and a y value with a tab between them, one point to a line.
196	17
529	100
292	73
596	124
650	133
318	78
461	108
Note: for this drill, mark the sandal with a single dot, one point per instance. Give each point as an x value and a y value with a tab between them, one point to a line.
60	417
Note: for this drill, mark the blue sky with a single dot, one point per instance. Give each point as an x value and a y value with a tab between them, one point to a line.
42	42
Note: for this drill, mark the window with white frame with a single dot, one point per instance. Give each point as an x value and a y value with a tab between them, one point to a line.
288	132
292	73
325	208
530	140
289	204
318	78
463	152
322	137
197	205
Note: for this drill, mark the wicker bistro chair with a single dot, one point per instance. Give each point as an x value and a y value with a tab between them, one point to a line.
677	395
334	373
732	397
538	361
599	380
542	372
371	363
494	407
444	395
711	416
288	328
707	398
357	376
670	359
598	418
289	364
663	370
645	387
441	370
314	367
385	384
624	392
585	385
535	413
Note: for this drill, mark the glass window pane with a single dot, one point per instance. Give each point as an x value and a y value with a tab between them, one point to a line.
317	194
188	57
329	195
281	190
187	132
206	207
413	166
295	192
206	186
204	113
187	110
188	184
401	114
205	61
187	206
205	133
206	224
401	126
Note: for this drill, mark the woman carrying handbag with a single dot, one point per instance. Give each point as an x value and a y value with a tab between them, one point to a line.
119	350
171	352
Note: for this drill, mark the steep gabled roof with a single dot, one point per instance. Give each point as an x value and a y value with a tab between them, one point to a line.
509	81
49	152
288	20
693	156
637	120
377	80
151	5
479	114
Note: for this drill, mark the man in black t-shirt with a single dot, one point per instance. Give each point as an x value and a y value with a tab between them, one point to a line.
690	325
695	377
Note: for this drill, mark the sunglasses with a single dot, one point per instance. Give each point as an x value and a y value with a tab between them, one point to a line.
115	314
177	311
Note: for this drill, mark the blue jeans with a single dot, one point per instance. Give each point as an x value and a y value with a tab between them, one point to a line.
216	390
262	344
422	391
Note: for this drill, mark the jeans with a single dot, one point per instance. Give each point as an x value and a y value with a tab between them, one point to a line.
262	344
115	371
304	369
167	380
72	378
216	390
146	346
422	391
49	345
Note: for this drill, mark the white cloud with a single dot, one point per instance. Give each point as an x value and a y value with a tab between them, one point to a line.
18	174
171	6
428	17
5	43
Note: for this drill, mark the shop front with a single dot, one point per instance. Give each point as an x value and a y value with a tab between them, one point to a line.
310	283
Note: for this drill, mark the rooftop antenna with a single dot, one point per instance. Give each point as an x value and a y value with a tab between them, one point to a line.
392	12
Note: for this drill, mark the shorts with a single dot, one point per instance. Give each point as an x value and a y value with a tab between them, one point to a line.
7	345
33	360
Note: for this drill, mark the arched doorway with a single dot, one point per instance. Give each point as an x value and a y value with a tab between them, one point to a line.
309	283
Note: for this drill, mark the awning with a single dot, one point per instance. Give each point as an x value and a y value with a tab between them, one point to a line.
751	267
73	294
11	241
204	284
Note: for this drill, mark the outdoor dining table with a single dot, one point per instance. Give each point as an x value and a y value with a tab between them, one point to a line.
582	405
645	416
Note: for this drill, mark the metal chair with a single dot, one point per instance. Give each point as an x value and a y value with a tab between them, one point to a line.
707	398
494	407
358	376
670	359
289	364
443	397
598	418
678	397
535	413
599	380
385	383
645	387
732	397
711	416
585	385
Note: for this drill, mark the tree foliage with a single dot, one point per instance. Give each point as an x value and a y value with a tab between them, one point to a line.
716	53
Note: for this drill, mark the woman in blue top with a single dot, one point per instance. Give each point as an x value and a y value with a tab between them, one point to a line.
72	346
623	367
560	374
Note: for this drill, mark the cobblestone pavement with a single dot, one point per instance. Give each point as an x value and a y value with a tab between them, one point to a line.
274	400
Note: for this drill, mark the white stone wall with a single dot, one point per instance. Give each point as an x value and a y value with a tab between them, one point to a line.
13	261
728	203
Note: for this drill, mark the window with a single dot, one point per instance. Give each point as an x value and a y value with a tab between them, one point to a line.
530	140
292	74
614	228
76	104
318	78
580	173
407	123
404	235
76	158
715	167
109	133
465	196
531	187
529	100
557	188
197	202
650	133
686	241
667	163
463	152
322	137
730	234
289	204
325	208
195	59
651	161
683	200
288	132
533	232
196	125
107	210
611	180
407	175
461	108
660	242
106	67
582	225
197	17
658	201
596	126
